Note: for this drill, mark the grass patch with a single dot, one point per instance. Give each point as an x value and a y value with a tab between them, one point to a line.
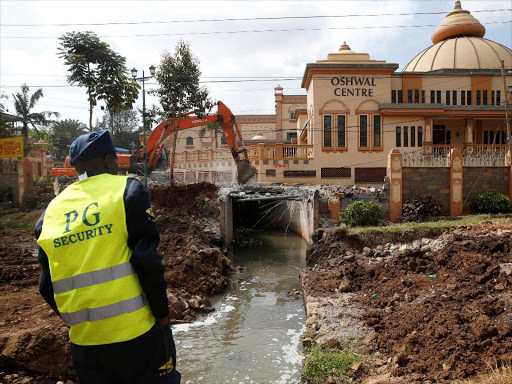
323	364
20	220
393	232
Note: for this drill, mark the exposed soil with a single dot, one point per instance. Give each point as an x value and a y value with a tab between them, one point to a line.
440	309
34	346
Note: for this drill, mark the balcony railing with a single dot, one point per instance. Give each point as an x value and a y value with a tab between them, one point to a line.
255	152
474	156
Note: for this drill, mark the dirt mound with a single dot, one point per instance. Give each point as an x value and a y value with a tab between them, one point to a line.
192	199
18	258
32	337
195	266
440	308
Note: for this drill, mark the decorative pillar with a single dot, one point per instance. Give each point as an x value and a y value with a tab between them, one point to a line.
508	163
198	156
278	92
395	185
21	180
279	152
456	182
427	140
334	207
470	135
261	151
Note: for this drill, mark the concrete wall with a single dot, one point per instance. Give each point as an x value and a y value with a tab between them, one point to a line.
478	180
226	220
301	216
432	181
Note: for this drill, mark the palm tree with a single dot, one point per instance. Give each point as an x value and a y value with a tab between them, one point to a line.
23	104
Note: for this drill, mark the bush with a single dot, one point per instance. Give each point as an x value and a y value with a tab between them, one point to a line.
5	194
360	213
323	364
491	201
29	201
421	208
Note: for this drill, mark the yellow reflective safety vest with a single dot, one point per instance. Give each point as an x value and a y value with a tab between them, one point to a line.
97	292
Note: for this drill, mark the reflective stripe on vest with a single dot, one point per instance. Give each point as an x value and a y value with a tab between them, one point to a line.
92	278
106	312
85	236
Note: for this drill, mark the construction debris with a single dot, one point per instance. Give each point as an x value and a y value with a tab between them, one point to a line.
434	305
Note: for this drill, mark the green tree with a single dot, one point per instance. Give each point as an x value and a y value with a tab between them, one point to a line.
126	128
24	104
83	52
179	89
61	135
5	119
115	87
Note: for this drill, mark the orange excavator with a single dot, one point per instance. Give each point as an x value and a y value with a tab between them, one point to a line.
155	144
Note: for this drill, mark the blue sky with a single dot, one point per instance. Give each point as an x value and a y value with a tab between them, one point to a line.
276	54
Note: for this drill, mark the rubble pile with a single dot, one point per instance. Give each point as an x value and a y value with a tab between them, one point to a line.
340	191
187	219
435	308
61	182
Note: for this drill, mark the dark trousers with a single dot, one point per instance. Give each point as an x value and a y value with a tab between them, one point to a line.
147	359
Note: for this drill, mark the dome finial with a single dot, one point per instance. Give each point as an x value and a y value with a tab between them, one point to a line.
458	22
345	47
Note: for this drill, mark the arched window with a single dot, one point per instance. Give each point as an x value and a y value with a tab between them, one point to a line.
190	140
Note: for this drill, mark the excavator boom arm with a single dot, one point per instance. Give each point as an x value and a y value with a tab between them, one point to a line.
229	128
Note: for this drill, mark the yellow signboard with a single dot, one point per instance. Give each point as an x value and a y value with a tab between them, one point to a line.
11	147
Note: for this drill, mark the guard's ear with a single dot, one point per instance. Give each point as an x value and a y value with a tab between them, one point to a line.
111	164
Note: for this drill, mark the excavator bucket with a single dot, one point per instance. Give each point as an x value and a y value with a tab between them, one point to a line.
245	171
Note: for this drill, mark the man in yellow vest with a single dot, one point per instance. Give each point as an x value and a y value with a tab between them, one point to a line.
102	274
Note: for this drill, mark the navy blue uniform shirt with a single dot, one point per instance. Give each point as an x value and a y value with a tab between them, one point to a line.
143	239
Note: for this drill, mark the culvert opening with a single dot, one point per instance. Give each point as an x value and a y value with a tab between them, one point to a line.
290	209
258	214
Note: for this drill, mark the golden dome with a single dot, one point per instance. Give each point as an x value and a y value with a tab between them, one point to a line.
459	44
458	23
461	53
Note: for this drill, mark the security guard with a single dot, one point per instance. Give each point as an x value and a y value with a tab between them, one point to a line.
101	273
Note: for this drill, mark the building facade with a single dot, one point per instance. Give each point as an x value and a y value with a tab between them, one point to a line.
357	109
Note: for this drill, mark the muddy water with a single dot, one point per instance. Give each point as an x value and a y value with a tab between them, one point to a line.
254	336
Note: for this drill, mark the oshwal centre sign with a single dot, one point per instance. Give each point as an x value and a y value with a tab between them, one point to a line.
353	86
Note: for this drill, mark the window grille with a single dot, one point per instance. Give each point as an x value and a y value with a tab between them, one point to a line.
340	173
363	131
370	175
299	173
327	131
377	142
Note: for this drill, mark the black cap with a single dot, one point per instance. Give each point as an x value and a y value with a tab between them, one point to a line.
90	146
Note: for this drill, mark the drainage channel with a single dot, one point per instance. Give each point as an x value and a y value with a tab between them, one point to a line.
254	336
